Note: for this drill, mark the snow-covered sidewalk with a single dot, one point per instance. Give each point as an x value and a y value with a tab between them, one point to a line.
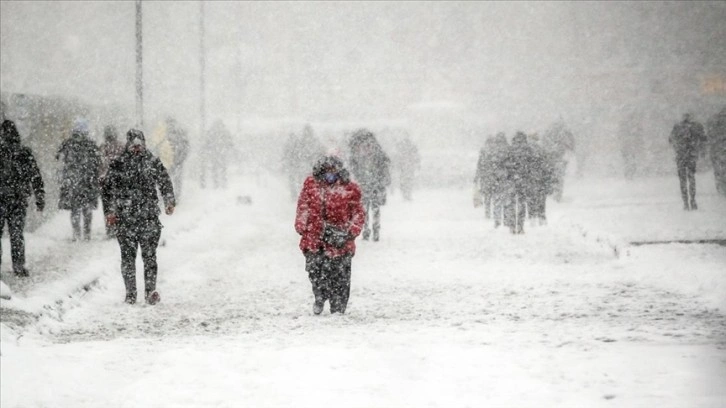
444	311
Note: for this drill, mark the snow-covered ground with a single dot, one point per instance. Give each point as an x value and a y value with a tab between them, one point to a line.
444	311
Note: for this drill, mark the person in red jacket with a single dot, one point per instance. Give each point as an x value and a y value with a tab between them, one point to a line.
329	217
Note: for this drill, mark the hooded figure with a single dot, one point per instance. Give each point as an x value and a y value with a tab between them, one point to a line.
19	177
329	216
131	204
79	190
371	169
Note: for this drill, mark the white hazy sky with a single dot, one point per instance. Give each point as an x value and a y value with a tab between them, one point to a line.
516	64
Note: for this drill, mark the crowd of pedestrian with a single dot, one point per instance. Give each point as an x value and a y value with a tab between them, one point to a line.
126	177
512	181
337	203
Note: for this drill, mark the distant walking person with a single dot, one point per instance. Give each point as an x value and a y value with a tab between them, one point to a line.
19	177
408	161
111	148
300	153
329	216
371	169
483	178
179	142
501	185
217	151
717	149
688	140
519	165
169	142
132	204
557	141
540	183
79	190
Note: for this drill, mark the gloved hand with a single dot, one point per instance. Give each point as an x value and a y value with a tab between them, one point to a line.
111	219
39	205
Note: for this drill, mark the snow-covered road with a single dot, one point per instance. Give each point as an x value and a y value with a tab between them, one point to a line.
444	311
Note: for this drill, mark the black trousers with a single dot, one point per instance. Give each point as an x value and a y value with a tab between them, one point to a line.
536	204
687	179
13	213
330	279
130	238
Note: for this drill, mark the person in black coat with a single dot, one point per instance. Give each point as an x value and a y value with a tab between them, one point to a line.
717	149
688	139
500	183
370	167
132	204
541	182
518	165
80	189
19	177
484	177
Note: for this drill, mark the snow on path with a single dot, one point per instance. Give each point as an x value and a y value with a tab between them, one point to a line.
445	310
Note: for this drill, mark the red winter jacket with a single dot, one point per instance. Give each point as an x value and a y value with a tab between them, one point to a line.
343	209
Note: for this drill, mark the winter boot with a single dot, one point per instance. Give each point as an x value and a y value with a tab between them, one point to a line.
21	272
130	298
153	298
318	306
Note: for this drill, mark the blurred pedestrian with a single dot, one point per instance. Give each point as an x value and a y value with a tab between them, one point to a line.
519	167
111	148
717	149
299	155
557	142
19	177
632	143
329	216
484	177
688	139
500	182
217	150
408	162
540	183
371	169
179	143
79	190
132	205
